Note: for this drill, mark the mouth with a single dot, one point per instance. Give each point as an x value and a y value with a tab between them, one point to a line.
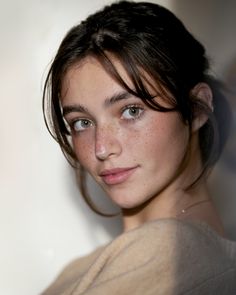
117	175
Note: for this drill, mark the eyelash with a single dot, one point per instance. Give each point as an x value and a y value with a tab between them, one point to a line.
73	122
134	107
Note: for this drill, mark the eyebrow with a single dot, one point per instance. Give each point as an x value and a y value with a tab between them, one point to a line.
116	98
107	103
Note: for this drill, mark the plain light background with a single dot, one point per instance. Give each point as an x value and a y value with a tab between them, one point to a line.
43	221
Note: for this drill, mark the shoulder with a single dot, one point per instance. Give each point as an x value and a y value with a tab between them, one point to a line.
71	274
182	256
201	261
171	235
160	256
188	240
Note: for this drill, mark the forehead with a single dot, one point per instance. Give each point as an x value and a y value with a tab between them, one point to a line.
87	82
91	71
89	74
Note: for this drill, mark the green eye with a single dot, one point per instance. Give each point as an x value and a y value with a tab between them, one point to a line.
81	124
132	112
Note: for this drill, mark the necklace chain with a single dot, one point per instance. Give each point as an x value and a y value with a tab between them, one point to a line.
183	211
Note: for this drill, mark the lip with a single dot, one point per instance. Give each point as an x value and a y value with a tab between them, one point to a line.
117	175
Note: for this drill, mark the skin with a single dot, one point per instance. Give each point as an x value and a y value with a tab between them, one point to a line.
112	129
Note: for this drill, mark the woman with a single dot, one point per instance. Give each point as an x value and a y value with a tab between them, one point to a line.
130	101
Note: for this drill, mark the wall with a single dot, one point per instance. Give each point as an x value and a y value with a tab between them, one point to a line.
43	221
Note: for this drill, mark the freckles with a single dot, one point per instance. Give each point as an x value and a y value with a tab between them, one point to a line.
152	136
83	152
140	139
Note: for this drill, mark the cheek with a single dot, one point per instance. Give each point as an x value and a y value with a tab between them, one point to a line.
84	151
165	134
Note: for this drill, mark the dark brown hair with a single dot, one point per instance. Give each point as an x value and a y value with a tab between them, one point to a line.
143	37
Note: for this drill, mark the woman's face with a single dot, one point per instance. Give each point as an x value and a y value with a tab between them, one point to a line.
132	151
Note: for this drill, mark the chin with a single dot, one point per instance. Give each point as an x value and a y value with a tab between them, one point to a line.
125	203
128	202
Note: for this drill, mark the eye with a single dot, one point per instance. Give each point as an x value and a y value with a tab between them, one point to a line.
81	124
132	112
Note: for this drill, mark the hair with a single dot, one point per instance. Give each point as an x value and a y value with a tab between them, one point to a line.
143	37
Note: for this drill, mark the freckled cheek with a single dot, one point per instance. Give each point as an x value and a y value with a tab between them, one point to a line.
150	141
84	151
156	140
135	142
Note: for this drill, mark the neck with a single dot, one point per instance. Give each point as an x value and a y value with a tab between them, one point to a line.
169	204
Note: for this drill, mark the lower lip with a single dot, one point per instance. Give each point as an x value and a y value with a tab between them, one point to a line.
119	177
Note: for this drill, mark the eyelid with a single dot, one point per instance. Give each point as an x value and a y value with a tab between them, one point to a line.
130	106
71	122
72	117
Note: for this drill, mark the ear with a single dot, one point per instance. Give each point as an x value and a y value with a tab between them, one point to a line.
202	92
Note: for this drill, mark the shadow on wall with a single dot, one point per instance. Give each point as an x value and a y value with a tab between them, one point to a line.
230	151
111	226
213	23
223	184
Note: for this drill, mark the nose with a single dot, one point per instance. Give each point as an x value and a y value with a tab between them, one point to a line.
107	143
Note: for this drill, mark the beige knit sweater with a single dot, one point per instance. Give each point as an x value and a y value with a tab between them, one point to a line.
163	257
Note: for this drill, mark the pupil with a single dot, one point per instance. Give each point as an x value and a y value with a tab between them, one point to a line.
133	111
85	123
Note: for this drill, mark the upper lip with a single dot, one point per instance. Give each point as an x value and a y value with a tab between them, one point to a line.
114	171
